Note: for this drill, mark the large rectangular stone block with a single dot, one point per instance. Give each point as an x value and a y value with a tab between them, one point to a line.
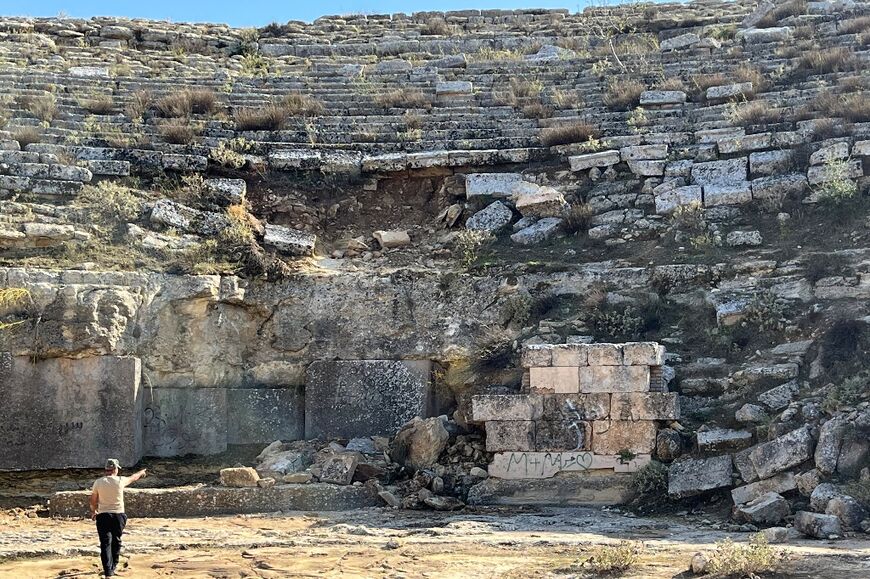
643	354
69	413
604	354
506	407
614	379
615	436
364	397
576	406
562	435
179	421
536	465
263	415
504	435
569	355
644	406
557	380
537	356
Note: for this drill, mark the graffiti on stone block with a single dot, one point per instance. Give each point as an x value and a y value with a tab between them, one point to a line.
536	464
576	424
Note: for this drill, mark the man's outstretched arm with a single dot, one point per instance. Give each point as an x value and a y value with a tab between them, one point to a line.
135	476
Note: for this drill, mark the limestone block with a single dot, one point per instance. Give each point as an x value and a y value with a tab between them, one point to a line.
861	149
538	232
680	41
641	152
454	88
780	483
290	241
542	465
743	465
541	202
835	152
726	172
743	238
54	187
576	407
728	91
179	421
561	435
761	11
506	407
499	185
770	162
184	163
108	168
604	355
511	435
494	218
824	173
752	142
662	97
388	162
644	406
768	509
818	526
647	168
70	413
721	439
614	379
755	374
560	380
294	159
782	453
345	398
668	201
540	355
52	231
614	436
227	191
419	443
239	477
763	35
338	469
88	71
691	476
727	194
643	354
848	510
261	415
589	160
392	239
573	355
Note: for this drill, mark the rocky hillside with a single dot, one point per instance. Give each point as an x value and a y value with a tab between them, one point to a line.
231	205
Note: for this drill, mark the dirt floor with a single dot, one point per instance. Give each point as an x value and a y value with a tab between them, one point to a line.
490	542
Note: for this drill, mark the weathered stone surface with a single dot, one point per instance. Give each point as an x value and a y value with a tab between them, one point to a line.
680	41
494	218
669	445
822	495
420	442
555	380
179	421
537	355
541	202
762	35
227	191
779	397
824	173
510	435
744	466
614	379
576	407
808	481
828	447
645	168
258	415
721	439
282	463
507	407
70	413
364	397
727	194
835	152
241	476
540	465
662	97
729	91
392	239
768	509
818	526
571	355
589	160
539	232
643	354
614	436
562	435
756	374
782	453
207	501
770	162
499	185
728	172
743	238
453	88
667	201
604	355
693	476
848	511
644	406
780	483
566	490
339	468
751	413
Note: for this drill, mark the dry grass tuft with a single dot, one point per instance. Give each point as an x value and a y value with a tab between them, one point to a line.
177	131
826	61
187	102
577	133
99	105
855	25
27	136
436	27
784	10
274	117
672	83
301	105
43	108
403	98
754	113
622	95
139	104
854	107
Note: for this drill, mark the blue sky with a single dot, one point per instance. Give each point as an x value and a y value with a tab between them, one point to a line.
258	12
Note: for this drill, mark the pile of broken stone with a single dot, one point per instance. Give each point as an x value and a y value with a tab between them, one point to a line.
431	463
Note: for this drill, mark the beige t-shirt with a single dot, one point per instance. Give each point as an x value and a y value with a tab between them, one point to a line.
110	493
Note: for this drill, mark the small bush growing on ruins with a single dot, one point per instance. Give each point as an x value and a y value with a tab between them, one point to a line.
847	393
838	188
403	98
494	352
722	31
735	560
701	82
537	111
781	11
468	244
255	65
102	104
637	119
672	83
765	312
140	102
297	104
247	43
753	113
109	205
854	25
614	322
563	135
517	309
409	136
825	61
436	27
489	54
271	117
649	481
229	153
183	104
622	95
27	136
745	73
177	131
609	559
43	108
412	121
577	218
689	217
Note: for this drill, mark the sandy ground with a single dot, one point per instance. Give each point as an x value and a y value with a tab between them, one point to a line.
385	543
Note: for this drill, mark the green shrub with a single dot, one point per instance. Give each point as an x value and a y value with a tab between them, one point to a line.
608	559
649	481
517	309
847	393
837	188
108	205
468	244
765	312
734	560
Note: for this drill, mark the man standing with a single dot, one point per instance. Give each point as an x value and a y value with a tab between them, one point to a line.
107	508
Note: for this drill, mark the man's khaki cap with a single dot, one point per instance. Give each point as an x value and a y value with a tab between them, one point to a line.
113	463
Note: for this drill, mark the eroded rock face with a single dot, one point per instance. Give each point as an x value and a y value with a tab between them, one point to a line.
420	442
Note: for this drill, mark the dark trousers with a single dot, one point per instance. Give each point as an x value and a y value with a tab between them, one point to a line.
110	527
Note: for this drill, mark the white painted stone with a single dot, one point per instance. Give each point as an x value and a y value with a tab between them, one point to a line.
559	380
